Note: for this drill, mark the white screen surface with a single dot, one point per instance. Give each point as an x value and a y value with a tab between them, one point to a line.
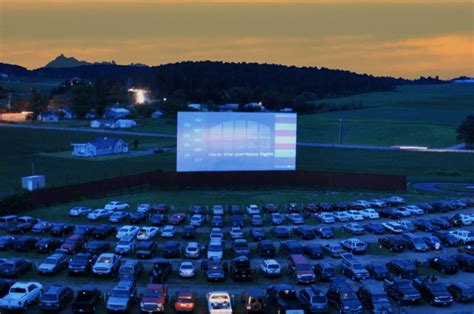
235	141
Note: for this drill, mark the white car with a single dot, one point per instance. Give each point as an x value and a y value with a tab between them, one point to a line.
127	231
197	220
393	227
466	219
216	233
215	249
342	216
116	205
377	203
126	245
236	233
218	210
355	215
369	213
414	210
354	245
97	214
219	302
325	217
192	250
404	212
270	268
147	233
144	208
252	209
168	231
21	295
186	270
79	211
106	264
464	235
360	204
117	217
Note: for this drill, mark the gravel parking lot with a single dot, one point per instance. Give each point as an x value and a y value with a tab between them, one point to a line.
375	254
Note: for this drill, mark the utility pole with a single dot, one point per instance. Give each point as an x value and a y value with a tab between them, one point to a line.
32	168
341	123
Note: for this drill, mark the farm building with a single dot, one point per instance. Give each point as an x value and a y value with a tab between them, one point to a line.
123	124
116	113
100	147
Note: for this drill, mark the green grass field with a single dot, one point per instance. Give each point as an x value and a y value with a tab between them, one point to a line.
45	148
409	115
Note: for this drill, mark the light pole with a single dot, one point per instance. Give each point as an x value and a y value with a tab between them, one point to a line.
341	123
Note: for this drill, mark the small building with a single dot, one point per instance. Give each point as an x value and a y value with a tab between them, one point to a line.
157	114
228	107
32	183
197	107
116	113
95	124
66	113
48	117
254	106
100	147
123	124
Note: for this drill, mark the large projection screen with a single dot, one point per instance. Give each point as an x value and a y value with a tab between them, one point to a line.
236	141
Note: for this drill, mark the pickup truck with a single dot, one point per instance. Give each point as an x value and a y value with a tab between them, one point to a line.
219	302
21	295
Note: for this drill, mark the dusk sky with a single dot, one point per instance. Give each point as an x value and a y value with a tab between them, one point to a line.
380	37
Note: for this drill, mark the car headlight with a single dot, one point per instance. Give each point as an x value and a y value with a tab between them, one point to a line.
346	307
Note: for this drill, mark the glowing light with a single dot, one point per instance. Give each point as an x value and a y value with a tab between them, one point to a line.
141	95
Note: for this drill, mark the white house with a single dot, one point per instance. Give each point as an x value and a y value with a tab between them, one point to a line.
123	124
195	106
95	124
48	117
100	147
157	114
116	113
228	107
255	106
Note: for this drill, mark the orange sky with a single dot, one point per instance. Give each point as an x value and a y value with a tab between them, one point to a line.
383	37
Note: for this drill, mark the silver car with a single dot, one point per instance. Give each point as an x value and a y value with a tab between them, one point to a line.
121	296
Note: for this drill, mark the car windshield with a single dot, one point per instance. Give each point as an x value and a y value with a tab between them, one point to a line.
303	267
50	261
348	295
105	259
379	298
49	297
124	242
149	293
438	287
357	266
215	248
273	266
318	299
119	293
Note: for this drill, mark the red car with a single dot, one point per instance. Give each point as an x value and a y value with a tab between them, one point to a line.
73	244
185	301
176	219
154	298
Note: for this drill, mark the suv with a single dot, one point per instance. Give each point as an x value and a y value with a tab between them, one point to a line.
403	268
283	299
301	269
462	292
465	261
314	299
270	268
241	247
354	245
394	243
81	263
241	269
304	232
266	248
55	298
106	264
154	298
341	296
324	271
14	267
125	246
446	265
353	269
402	291
161	271
253	300
291	247
121	296
131	270
373	296
434	292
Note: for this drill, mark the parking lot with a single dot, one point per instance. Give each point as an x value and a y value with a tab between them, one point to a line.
374	254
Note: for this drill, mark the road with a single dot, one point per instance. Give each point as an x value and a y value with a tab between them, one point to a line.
432	187
453	149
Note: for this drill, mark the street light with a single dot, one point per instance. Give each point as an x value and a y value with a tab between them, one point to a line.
341	123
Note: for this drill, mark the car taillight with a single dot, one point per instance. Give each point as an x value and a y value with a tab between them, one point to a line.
186	306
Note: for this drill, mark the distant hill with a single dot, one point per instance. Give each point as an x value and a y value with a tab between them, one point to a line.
62	61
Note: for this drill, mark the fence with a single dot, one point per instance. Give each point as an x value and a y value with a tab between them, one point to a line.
166	180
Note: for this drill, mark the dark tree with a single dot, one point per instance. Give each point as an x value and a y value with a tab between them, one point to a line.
100	94
466	131
83	100
38	103
135	144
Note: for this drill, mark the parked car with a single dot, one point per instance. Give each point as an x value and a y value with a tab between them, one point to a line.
465	261
215	270
218	210
252	209
353	228
447	238
103	231
168	231
48	245
446	265
161	271
96	247
403	268
79	211
407	225
392	213
465	236
21	295
7	242
86	301
42	227
107	264
14	267
197	220
377	203
291	247
55	298
240	247
139	217
270	268
341	216
425	225
394	200
440	222
217	221
158	219
353	268
253	300
313	251
333	250
258	234
343	298
118	217
354	245
25	243
266	248
304	232
237	220
240	269
52	264
314	300
373	297
284	299
147	233
185	302
73	244
393	227
171	249
461	292
186	270
122	296
369	213
131	270
116	205
127	231
325	218
414	242
374	228
433	242
434	292
219	302
301	269
324	271
144	208
125	246
469	249
324	232
270	208
256	220
192	250
295	218
145	249
81	264
280	232
413	209
377	271
177	218
402	291
394	243
98	214
277	219
355	215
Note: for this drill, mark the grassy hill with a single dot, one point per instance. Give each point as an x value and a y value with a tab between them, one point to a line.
410	115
